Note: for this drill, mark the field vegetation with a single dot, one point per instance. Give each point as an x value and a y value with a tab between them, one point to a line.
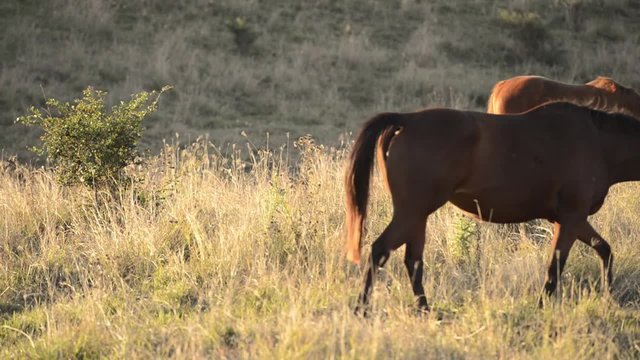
226	240
315	67
214	256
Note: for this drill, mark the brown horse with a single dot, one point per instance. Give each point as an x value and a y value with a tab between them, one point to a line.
555	162
523	93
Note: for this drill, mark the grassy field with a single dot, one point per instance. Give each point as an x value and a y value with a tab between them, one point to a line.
213	256
231	246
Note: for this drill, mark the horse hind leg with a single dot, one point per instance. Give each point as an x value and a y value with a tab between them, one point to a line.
380	252
564	235
589	236
414	222
397	233
415	266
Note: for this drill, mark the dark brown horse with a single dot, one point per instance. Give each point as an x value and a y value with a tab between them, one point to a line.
555	162
522	93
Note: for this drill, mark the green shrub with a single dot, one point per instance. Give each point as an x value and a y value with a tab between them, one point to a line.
87	144
465	231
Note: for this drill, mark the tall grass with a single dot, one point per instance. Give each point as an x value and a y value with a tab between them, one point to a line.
236	252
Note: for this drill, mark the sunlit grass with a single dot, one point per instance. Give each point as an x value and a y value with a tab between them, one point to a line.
237	253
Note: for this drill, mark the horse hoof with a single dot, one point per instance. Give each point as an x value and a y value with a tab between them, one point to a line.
361	311
423	311
427	313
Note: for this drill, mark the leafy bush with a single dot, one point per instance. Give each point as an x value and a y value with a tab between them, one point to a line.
464	232
87	144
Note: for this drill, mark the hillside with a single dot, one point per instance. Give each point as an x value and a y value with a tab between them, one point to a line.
317	67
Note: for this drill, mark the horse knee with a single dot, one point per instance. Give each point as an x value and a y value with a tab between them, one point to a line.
379	253
411	263
550	285
603	249
413	266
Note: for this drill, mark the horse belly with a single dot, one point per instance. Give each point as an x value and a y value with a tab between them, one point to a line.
504	206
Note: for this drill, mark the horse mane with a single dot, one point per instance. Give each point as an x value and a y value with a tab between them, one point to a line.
615	122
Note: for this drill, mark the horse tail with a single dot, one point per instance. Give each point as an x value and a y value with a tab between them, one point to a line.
384	142
376	132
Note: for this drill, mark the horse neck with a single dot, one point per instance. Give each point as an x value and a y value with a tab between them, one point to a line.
632	105
623	156
596	98
603	100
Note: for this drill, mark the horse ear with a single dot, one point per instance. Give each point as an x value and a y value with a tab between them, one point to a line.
604	83
609	85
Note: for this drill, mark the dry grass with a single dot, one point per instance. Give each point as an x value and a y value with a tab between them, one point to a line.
213	256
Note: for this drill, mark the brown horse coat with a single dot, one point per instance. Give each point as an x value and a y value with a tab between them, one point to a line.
555	162
522	93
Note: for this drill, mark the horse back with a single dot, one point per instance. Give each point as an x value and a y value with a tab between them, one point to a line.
522	93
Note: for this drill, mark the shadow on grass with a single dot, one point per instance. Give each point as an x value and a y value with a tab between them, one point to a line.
626	287
9	309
